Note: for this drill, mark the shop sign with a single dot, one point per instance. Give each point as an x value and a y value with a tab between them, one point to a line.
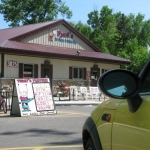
11	63
66	40
60	36
32	96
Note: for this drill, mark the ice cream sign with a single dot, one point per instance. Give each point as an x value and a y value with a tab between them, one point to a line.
32	96
60	36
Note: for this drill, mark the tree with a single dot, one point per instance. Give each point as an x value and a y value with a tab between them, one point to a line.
82	28
98	40
102	23
120	35
22	12
137	54
137	25
144	34
124	30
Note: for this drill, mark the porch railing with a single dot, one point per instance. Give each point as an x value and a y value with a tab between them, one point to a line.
8	98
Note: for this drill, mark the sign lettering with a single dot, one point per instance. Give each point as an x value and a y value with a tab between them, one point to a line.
34	96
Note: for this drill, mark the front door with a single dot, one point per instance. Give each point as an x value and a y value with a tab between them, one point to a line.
95	73
47	72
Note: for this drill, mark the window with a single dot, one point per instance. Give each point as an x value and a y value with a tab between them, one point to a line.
146	84
28	70
94	75
77	73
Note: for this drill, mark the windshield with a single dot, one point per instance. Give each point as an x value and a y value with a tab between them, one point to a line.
146	84
145	77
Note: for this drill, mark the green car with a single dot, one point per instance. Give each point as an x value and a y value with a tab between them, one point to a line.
123	121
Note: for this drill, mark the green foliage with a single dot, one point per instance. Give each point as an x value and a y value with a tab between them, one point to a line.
98	40
103	24
124	27
83	29
137	54
114	33
144	34
22	12
124	36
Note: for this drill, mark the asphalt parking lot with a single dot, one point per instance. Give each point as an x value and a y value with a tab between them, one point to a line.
61	131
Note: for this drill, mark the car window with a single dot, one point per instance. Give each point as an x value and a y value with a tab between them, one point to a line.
146	84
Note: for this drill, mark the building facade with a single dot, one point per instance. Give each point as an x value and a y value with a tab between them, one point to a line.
55	50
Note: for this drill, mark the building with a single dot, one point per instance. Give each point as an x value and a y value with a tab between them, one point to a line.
52	49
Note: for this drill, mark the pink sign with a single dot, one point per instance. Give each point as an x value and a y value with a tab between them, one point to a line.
34	96
43	96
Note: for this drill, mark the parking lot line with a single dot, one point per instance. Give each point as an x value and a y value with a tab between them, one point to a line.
72	113
43	147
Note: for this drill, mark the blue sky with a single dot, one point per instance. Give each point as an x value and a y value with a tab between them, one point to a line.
81	8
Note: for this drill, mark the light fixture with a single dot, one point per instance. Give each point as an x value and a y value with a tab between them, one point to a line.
78	52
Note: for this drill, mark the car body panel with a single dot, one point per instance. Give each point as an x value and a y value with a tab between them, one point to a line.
110	104
132	130
122	122
104	128
89	128
119	132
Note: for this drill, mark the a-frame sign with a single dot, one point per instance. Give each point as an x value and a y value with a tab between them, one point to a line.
32	97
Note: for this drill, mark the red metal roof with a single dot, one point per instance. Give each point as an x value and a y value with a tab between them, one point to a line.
9	45
10	33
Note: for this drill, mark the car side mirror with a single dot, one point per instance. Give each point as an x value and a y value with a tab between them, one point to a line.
122	84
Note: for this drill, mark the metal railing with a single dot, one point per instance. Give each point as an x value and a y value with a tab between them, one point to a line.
8	98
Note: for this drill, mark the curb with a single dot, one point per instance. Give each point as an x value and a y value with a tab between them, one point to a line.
57	103
62	103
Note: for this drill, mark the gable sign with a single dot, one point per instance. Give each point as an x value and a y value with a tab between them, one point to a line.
60	36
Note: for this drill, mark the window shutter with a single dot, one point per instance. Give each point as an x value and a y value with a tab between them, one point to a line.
35	70
20	70
103	71
2	65
84	73
70	73
42	71
98	73
51	75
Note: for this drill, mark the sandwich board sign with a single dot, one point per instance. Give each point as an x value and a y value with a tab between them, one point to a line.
32	97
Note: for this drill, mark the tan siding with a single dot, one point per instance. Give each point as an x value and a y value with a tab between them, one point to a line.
108	67
11	72
60	67
43	38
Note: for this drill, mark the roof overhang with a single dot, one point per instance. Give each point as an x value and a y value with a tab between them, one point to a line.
36	50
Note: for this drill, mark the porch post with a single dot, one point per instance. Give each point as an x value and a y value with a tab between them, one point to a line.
2	65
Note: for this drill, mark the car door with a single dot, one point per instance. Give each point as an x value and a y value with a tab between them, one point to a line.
131	131
104	126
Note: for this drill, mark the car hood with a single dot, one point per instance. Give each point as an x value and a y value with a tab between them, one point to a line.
109	104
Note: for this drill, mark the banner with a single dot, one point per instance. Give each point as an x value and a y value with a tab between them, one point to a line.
32	97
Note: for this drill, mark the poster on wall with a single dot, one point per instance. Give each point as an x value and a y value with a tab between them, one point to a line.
32	97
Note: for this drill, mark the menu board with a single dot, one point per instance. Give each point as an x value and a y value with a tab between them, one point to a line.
43	96
34	97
